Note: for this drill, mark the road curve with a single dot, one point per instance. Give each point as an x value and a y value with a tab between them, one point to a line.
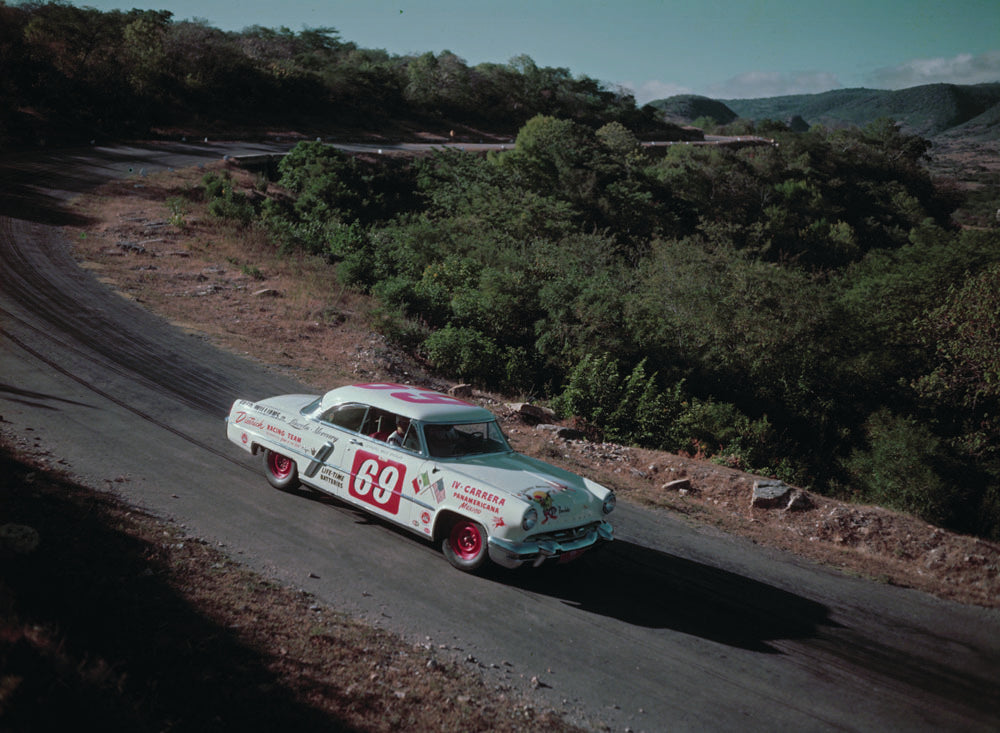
672	627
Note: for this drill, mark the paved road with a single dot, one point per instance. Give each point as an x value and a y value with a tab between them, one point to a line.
673	627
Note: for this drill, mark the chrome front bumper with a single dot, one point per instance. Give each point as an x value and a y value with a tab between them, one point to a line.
536	551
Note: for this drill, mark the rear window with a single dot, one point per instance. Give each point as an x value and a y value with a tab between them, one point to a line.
349	416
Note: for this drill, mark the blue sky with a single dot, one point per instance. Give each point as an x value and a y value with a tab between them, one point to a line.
656	48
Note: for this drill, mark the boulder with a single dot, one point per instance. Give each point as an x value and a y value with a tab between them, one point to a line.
533	412
561	431
681	484
769	493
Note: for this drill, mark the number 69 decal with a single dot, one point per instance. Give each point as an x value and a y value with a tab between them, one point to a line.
377	481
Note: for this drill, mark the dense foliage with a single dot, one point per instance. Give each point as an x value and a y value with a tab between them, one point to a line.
70	73
805	309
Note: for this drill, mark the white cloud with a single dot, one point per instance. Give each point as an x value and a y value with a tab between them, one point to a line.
965	68
651	90
756	84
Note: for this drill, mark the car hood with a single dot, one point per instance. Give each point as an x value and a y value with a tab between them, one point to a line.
564	498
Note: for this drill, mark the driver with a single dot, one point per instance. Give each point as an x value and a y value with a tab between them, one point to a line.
396	437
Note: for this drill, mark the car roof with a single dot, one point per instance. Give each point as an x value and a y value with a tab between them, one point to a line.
413	402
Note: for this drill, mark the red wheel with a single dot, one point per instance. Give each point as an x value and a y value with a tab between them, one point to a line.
465	545
280	470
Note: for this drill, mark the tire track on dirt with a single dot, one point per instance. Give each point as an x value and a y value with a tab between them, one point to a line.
49	284
103	393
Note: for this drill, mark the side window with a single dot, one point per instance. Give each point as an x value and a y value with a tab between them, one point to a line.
349	416
412	441
379	423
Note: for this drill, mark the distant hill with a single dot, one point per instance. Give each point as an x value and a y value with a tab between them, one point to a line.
932	110
686	108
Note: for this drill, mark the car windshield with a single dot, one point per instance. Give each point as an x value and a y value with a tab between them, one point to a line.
466	439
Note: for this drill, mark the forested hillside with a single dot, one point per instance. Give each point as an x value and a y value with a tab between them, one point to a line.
929	110
71	74
808	309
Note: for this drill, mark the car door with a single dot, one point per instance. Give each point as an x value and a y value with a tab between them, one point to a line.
377	476
333	442
368	473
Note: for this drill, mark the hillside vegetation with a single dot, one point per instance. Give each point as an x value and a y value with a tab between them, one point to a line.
807	310
74	74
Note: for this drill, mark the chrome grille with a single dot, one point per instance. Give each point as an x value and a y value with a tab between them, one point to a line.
561	535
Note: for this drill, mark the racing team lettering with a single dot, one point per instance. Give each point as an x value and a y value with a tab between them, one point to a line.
376	481
283	434
244	418
477	497
268	412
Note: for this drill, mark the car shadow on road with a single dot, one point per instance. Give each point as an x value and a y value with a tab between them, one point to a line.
642	586
646	587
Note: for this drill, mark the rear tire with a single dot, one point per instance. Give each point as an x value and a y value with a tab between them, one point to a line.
280	470
465	546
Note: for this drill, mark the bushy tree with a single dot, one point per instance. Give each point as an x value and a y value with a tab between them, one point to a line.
463	351
905	466
963	333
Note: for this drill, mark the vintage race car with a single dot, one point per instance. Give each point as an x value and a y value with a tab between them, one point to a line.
430	462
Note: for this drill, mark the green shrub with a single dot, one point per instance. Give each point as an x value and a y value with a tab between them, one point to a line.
629	411
356	270
394	292
225	202
636	410
214	185
178	210
399	329
898	469
464	352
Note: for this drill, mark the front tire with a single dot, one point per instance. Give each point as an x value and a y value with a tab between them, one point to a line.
280	470
465	545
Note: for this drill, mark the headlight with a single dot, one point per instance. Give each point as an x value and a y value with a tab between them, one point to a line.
609	503
529	519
